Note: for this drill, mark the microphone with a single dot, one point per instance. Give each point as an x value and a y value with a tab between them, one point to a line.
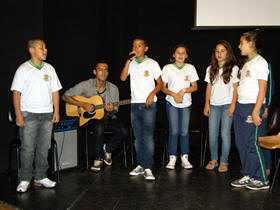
131	56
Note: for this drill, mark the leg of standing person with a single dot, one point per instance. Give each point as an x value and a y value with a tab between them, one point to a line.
266	152
136	123
184	121
214	125
226	123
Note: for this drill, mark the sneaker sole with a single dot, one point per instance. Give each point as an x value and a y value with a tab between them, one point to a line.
238	186
170	167
187	167
149	178
36	184
95	169
136	174
260	188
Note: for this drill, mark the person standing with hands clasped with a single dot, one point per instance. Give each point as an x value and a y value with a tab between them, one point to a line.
249	107
36	103
179	81
143	72
220	100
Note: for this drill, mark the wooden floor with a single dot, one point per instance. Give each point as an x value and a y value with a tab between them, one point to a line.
112	188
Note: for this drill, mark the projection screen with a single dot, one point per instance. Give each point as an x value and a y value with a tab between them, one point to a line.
237	13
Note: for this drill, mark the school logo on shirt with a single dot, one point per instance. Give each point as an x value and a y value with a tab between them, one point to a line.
249	119
186	78
146	73
46	77
248	73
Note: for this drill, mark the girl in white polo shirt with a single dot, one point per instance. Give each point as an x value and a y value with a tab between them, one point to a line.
220	99
179	81
249	107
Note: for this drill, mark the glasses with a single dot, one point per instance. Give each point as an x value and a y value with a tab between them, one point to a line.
101	69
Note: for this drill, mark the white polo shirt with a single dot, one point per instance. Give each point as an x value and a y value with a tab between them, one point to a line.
222	93
142	79
255	69
36	87
178	78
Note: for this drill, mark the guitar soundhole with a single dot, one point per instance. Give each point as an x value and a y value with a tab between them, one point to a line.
87	115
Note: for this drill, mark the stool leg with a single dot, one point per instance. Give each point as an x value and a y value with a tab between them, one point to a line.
87	149
10	162
131	147
124	153
205	147
201	148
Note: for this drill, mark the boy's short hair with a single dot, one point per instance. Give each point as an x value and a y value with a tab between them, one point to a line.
144	39
32	42
101	61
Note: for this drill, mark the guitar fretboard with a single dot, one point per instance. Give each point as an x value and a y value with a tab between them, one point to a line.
119	103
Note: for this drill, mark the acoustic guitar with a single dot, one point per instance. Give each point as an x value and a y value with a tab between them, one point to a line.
97	113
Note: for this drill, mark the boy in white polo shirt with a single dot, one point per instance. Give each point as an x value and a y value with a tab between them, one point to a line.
143	72
36	102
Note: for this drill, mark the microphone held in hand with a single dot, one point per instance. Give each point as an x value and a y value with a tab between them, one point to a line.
131	56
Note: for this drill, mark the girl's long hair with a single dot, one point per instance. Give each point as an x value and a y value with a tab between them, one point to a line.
227	68
172	59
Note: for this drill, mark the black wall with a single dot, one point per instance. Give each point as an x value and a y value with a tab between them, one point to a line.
78	33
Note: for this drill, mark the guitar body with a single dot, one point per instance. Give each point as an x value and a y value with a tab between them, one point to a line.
73	110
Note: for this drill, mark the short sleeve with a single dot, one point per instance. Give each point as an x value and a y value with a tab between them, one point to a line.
55	83
207	77
18	81
164	75
156	72
234	74
194	76
262	70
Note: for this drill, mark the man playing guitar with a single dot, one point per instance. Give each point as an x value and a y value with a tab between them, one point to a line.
109	92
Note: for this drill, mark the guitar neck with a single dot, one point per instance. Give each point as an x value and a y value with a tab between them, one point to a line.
119	103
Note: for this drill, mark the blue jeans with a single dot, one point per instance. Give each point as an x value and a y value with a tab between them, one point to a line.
143	124
35	139
218	115
179	119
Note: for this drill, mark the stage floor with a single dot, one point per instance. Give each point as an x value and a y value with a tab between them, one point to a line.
112	188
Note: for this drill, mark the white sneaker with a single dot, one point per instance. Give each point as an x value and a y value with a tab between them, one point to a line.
137	171
47	183
172	162
23	186
97	164
107	156
148	174
185	162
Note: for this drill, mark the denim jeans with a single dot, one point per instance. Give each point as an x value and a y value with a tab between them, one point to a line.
178	119
98	127
143	123
218	115
35	139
